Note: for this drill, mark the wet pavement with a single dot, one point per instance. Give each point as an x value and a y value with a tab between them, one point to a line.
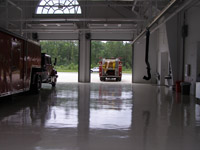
100	116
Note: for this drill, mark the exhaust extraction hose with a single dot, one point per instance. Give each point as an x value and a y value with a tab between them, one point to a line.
148	77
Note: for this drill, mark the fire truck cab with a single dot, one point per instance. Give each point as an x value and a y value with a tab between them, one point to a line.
110	68
48	73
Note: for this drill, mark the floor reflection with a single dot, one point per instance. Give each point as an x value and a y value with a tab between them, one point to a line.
110	107
100	116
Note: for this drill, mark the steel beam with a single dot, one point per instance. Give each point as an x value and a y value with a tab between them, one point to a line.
79	20
134	4
39	30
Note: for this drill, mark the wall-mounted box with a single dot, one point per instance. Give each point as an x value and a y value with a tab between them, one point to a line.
198	90
187	70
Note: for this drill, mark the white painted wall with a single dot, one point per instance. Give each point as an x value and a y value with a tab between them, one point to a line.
174	40
163	50
163	42
191	45
163	67
170	39
139	66
153	59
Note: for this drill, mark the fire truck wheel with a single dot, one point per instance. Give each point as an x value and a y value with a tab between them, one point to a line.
37	84
118	79
102	78
53	84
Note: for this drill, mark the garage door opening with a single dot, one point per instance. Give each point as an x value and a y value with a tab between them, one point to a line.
115	51
66	53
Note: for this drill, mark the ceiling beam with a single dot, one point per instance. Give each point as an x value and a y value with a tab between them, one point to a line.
75	30
93	1
78	20
13	4
134	4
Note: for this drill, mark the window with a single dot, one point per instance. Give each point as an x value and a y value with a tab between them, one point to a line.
58	7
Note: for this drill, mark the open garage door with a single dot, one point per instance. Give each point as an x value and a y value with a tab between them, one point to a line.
66	53
107	60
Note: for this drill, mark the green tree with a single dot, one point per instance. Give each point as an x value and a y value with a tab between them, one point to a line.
67	52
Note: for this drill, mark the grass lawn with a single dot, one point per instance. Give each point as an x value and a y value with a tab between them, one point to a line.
74	69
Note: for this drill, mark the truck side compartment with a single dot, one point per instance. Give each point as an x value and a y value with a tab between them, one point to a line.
18	59
5	64
33	64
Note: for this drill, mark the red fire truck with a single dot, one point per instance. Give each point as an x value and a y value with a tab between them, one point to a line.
20	65
110	68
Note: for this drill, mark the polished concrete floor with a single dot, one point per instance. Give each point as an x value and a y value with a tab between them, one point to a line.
100	116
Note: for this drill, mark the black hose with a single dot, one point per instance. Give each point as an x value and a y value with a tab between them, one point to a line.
148	77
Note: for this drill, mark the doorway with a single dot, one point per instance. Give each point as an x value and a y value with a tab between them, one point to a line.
111	49
67	54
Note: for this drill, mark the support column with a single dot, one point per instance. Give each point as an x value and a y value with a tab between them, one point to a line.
133	63
84	57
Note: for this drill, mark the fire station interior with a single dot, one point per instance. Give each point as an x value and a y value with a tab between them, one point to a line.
158	110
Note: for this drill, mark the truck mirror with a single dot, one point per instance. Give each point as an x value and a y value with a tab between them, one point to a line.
55	61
